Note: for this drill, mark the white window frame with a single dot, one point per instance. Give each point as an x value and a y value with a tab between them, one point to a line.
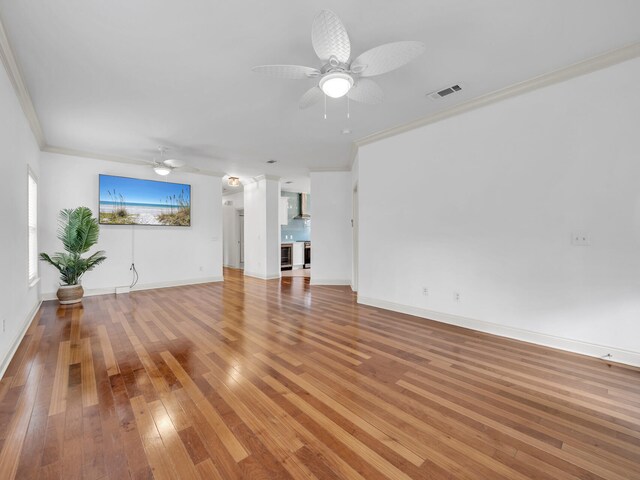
32	230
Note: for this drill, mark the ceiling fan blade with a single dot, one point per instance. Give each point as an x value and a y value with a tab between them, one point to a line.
290	72
310	97
386	58
329	37
366	91
173	163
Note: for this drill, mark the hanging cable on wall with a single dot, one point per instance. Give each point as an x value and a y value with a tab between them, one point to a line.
132	268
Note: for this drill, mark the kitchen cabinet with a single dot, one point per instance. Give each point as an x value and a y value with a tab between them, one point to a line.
283	211
293	206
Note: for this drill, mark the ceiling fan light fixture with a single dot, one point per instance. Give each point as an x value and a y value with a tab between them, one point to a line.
336	85
234	182
162	170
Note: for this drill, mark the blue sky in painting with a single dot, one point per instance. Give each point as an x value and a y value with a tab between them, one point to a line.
136	190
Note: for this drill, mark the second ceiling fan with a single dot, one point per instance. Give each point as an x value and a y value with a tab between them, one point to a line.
339	76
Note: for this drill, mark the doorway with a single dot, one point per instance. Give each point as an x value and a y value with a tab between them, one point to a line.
354	237
240	223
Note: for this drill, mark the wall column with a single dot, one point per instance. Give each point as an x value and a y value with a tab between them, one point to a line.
262	228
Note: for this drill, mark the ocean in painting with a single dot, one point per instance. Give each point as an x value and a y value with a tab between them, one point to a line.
132	201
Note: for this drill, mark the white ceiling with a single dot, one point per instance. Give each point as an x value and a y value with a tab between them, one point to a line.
121	77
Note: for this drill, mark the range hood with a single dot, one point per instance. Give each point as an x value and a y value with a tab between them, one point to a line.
304	207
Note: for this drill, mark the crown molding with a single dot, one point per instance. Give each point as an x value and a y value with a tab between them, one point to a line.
96	156
266	177
330	169
584	67
15	76
128	160
353	154
581	68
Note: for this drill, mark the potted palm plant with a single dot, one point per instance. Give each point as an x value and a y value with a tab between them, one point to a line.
78	231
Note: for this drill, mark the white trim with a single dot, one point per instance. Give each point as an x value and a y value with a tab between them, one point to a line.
330	169
353	154
18	339
590	65
266	177
15	76
228	265
128	160
32	280
576	346
177	283
148	286
261	276
329	281
581	68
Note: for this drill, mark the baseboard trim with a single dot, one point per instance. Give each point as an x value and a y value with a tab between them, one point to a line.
91	292
18	339
261	276
575	346
329	281
228	265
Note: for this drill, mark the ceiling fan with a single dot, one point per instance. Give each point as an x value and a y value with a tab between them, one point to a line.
338	75
166	166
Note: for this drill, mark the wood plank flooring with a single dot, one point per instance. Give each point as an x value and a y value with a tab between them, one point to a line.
282	380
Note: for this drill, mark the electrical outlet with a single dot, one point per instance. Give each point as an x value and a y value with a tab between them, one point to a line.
580	239
425	291
456	297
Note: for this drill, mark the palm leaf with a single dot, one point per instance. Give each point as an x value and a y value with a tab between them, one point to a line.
78	231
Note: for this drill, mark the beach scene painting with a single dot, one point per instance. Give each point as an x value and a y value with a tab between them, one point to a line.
133	201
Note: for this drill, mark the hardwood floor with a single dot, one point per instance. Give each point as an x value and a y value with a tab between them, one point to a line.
277	380
299	272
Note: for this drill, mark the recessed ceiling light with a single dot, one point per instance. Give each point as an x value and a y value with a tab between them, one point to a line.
234	181
288	182
346	131
271	161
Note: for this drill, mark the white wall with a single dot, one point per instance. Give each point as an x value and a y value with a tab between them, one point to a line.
231	228
331	241
486	206
355	254
18	149
163	255
262	228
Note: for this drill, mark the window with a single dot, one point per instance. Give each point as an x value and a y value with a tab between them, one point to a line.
33	228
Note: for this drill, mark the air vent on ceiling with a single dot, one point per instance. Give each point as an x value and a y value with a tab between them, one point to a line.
444	92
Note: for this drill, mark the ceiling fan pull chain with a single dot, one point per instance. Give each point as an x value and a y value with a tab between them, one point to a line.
348	109
325	106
